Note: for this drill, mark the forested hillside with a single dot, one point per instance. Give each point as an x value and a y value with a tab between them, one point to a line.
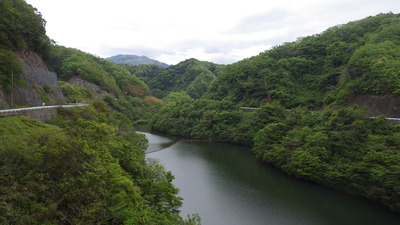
15	36
192	76
304	125
123	90
23	42
87	165
323	70
360	57
22	28
135	60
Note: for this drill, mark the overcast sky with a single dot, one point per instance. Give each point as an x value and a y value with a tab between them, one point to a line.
220	31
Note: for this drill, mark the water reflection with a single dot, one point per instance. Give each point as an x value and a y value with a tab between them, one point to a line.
225	185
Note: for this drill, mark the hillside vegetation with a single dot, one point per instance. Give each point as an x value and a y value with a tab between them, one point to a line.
303	125
87	166
135	60
360	57
125	92
192	76
22	29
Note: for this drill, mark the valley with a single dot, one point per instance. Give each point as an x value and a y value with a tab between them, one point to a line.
317	109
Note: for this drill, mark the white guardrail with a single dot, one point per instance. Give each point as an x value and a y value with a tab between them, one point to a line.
388	118
42	107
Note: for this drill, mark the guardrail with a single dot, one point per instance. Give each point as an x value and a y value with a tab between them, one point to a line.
42	107
39	113
396	119
248	109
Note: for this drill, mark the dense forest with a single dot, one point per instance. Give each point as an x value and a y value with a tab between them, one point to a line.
304	124
192	76
124	91
22	28
88	165
360	57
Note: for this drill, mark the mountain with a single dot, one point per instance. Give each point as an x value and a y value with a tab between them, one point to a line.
89	165
330	68
24	78
306	124
134	60
303	125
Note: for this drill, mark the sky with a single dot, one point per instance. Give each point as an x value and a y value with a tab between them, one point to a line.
219	31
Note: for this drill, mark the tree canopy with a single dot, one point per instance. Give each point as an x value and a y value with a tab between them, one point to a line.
303	125
22	27
88	167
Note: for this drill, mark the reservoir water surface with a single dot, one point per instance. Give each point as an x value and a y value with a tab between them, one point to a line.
224	184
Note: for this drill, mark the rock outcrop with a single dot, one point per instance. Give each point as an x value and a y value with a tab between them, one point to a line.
97	91
39	86
3	98
386	105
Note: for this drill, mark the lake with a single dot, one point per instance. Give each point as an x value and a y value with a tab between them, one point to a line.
225	184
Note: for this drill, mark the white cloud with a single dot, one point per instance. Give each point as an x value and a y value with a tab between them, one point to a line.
171	31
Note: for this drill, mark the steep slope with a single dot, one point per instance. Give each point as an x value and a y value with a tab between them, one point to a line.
95	77
357	58
24	78
135	60
304	125
88	166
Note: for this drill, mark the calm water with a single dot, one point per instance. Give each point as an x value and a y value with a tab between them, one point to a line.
224	184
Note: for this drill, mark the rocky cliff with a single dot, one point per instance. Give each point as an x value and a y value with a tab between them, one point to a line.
386	105
36	86
94	88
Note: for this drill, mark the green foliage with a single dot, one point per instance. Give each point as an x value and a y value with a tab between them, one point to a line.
87	168
191	75
216	120
294	129
360	57
9	66
67	62
43	96
200	84
22	27
144	72
135	60
73	93
374	68
126	91
340	148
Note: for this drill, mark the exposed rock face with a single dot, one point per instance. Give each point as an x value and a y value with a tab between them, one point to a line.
386	105
39	84
3	101
32	59
97	91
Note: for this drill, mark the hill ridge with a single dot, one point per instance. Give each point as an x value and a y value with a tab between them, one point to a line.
134	60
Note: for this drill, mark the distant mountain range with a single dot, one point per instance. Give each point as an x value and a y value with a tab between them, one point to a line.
134	60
